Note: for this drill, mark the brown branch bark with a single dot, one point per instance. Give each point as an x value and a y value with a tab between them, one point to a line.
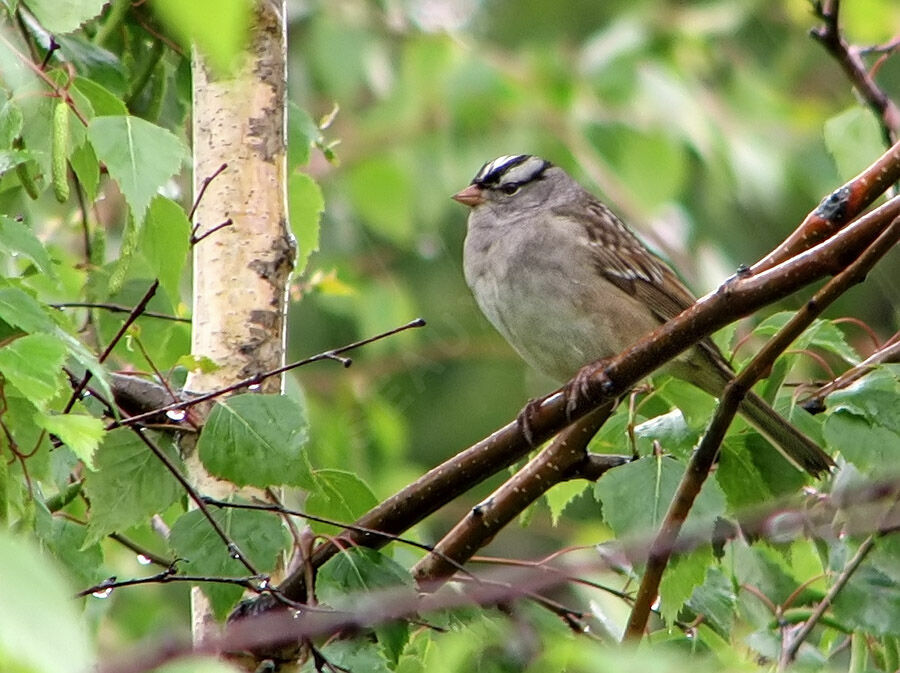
551	466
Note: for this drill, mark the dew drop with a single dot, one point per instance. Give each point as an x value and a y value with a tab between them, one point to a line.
176	415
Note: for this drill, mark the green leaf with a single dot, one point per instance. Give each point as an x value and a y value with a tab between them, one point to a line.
382	192
64	17
683	574
82	434
130	484
359	570
854	140
670	430
65	539
20	309
302	133
872	448
256	440
37	604
739	476
562	494
821	334
140	156
87	168
17	237
104	101
305	205
218	28
873	397
636	496
715	601
259	535
870	601
165	243
11	121
340	496
33	364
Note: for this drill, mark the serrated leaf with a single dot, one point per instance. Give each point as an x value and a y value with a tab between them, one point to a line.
64	17
562	494
256	440
33	364
20	309
65	540
37	603
17	237
165	243
356	571
874	397
130	484
259	535
338	495
636	496
683	574
302	133
305	204
11	121
140	156
739	477
104	102
715	601
82	434
870	601
872	448
821	334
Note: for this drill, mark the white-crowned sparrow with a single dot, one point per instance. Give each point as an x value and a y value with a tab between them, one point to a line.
567	283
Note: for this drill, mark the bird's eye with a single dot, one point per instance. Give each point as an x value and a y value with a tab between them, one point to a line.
510	188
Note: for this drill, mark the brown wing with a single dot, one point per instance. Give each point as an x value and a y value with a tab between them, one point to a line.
625	262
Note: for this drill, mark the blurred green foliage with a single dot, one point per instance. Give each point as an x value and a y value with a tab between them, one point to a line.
712	127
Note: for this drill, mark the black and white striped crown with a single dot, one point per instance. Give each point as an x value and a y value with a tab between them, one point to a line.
515	169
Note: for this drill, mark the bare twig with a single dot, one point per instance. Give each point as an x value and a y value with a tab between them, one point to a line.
829	36
793	642
256	379
889	352
118	308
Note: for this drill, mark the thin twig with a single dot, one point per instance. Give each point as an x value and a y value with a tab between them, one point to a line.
118	308
233	549
793	643
256	379
135	313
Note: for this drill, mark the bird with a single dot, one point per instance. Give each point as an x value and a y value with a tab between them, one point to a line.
566	282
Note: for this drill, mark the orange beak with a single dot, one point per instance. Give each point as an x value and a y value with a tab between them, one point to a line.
471	196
